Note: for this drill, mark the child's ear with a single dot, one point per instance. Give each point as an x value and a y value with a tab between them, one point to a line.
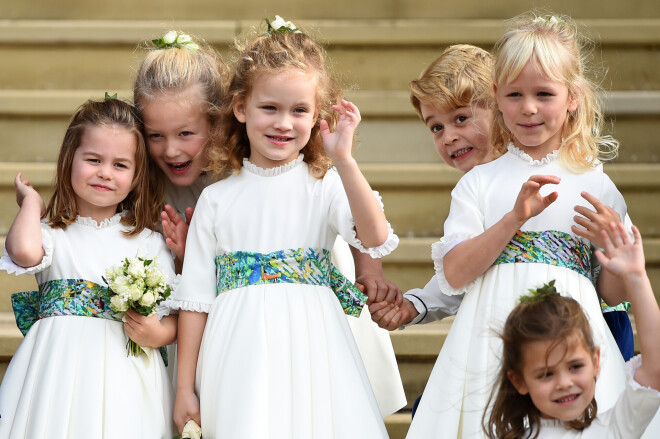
597	361
518	382
239	110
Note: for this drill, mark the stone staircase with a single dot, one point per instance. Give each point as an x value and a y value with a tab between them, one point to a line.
55	55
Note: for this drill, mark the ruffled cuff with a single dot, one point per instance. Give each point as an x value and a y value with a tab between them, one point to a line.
382	250
11	268
438	252
631	368
187	305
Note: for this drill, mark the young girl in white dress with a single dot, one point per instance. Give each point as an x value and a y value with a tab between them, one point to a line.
501	240
178	89
550	363
71	376
277	358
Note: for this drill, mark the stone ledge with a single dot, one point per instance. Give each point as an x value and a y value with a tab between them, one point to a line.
376	32
372	103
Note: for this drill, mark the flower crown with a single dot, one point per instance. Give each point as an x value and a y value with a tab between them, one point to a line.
551	20
109	96
539	294
280	26
172	39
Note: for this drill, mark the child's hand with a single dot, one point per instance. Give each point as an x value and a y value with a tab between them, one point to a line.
338	144
391	317
175	230
143	330
622	256
379	289
186	407
24	190
530	202
593	223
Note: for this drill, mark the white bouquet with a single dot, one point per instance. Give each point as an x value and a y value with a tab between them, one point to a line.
137	284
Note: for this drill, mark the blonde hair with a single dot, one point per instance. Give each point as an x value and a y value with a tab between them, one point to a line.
460	77
274	53
176	71
561	52
142	209
555	318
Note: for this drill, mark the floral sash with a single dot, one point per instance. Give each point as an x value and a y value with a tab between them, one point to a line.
548	247
64	297
302	266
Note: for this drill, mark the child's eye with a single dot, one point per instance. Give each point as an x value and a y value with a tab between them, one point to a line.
154	136
121	165
436	128
577	366
300	110
461	119
544	94
514	94
185	133
91	160
268	107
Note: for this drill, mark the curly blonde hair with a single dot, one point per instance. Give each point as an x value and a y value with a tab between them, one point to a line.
555	43
274	53
175	72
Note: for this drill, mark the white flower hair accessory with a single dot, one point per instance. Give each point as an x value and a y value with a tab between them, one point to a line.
279	25
172	39
551	20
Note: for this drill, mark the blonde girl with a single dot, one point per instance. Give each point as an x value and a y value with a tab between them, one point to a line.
500	238
550	362
71	376
264	347
178	90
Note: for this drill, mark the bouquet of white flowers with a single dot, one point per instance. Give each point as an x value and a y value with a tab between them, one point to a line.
137	284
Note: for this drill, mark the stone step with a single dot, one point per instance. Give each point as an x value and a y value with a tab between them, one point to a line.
33	124
101	53
298	9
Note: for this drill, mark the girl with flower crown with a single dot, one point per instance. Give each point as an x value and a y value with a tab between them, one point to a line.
264	346
178	90
500	238
550	363
71	376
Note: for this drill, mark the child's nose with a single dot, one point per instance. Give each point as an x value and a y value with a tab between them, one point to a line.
529	106
283	122
104	171
564	381
451	135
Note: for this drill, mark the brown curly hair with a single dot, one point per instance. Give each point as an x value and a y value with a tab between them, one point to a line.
272	54
555	318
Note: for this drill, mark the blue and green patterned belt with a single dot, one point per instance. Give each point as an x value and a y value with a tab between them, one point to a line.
302	266
548	247
65	297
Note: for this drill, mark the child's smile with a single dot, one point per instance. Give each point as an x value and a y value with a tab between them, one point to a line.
561	381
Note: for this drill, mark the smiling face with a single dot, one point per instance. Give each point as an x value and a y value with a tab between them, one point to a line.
102	170
461	136
561	384
176	130
534	108
279	114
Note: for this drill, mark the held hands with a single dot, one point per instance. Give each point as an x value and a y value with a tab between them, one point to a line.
25	191
389	316
338	144
622	257
594	223
530	202
379	289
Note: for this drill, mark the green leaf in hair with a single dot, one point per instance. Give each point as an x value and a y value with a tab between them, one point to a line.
538	294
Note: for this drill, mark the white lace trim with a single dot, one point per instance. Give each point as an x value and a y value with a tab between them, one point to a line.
271	172
631	367
87	221
187	305
526	157
390	244
11	268
438	252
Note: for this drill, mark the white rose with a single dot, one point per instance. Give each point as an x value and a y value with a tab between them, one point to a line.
191	46
169	37
183	38
278	22
118	304
147	299
154	278
134	292
191	430
136	268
